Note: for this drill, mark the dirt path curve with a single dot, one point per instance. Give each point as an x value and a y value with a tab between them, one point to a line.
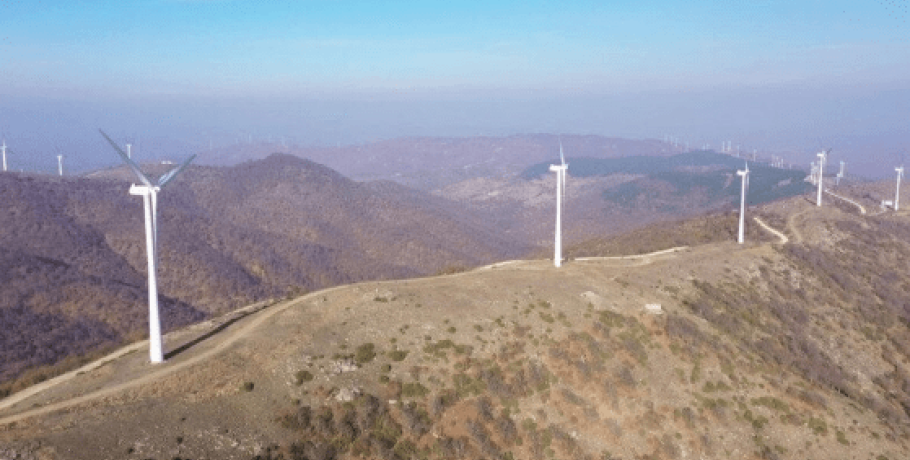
862	210
791	225
645	258
162	370
524	264
784	239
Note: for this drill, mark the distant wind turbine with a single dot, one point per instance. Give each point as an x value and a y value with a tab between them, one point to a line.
560	171
744	173
822	156
897	192
149	193
60	165
4	154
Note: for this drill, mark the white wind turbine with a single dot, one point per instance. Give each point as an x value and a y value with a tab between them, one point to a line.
60	164
744	173
840	174
897	193
149	193
822	156
560	171
3	148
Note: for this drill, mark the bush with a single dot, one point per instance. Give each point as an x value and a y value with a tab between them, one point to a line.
302	376
247	386
414	390
365	353
398	355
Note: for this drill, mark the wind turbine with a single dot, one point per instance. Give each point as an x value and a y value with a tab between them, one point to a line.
149	193
744	173
560	171
60	164
840	174
822	156
897	193
3	148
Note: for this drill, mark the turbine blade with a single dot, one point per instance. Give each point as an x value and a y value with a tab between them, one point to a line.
562	158
173	173
142	177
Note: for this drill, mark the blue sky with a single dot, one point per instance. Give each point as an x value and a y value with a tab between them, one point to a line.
239	46
344	59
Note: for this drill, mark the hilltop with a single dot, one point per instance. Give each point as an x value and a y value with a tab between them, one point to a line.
769	350
73	264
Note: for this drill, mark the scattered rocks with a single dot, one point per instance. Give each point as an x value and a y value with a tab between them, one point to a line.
347	394
342	366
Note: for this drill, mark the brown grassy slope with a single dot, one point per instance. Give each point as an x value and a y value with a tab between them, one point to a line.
73	251
710	228
790	352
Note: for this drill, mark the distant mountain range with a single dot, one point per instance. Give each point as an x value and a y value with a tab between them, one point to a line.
431	163
73	263
614	195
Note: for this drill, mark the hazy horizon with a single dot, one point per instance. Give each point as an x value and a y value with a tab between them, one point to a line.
176	76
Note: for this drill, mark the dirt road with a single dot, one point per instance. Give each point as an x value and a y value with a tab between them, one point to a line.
784	239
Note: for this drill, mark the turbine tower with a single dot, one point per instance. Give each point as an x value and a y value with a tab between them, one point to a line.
60	164
897	193
4	154
840	174
129	153
822	156
560	171
744	173
149	193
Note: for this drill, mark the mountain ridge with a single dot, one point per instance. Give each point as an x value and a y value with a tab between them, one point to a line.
762	350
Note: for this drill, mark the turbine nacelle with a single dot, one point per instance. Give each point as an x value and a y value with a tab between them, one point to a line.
143	190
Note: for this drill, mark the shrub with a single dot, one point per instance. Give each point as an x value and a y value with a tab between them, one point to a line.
818	426
398	355
302	376
365	353
414	390
842	438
